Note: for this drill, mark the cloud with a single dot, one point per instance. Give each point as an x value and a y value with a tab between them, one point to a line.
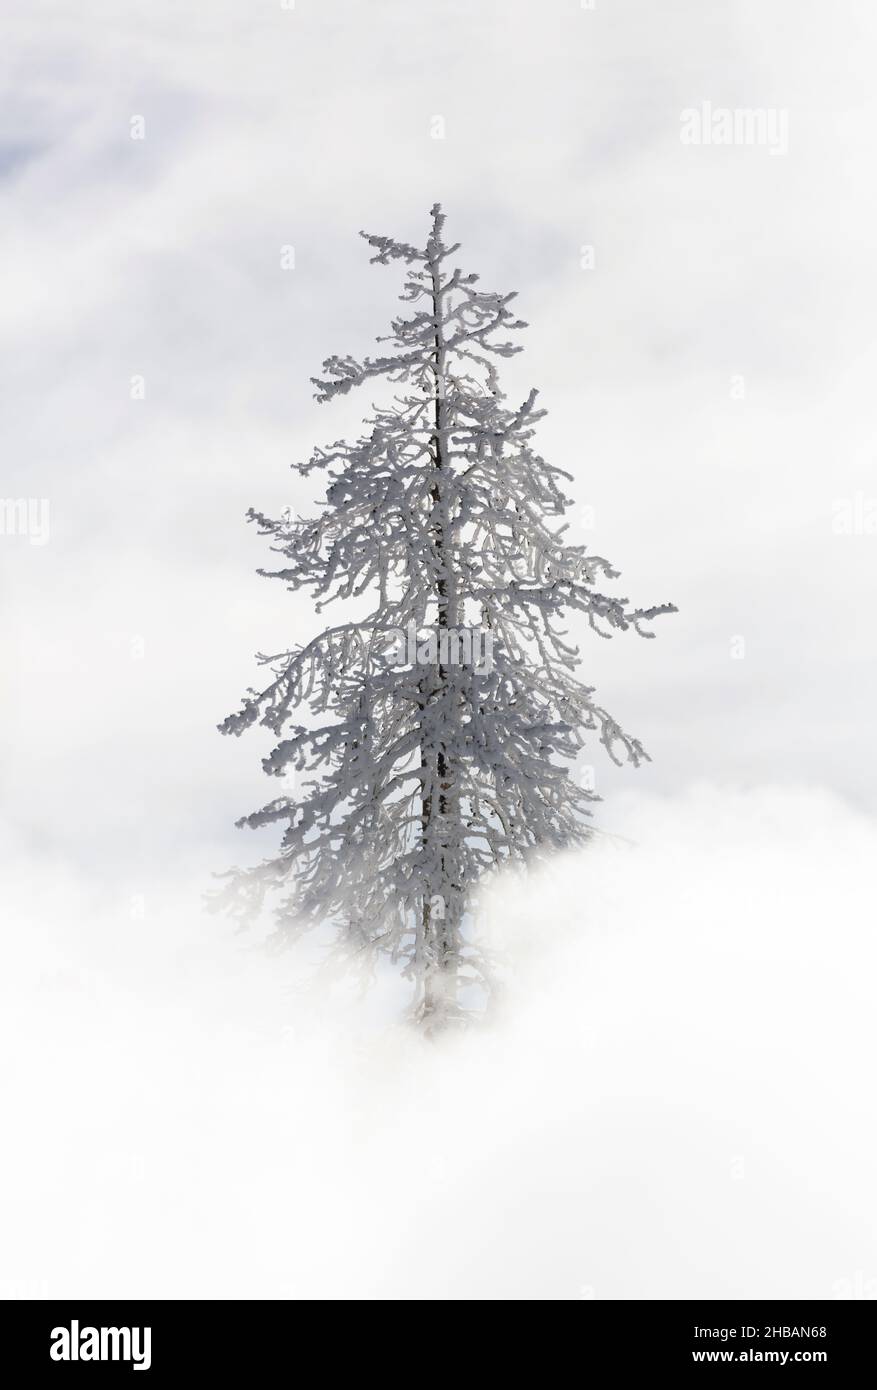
161	258
672	1100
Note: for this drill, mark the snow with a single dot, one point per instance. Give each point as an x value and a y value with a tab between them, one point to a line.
431	776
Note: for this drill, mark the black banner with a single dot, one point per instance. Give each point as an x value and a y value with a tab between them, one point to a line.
59	1339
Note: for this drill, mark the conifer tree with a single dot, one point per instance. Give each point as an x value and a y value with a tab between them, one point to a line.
445	718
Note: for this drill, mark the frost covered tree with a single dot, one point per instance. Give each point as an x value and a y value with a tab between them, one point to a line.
444	716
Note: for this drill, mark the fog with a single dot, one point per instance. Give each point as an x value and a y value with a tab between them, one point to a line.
671	1097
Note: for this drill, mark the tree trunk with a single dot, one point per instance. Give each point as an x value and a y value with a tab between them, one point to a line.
440	931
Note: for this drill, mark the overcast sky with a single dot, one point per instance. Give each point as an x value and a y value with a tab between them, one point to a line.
131	632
